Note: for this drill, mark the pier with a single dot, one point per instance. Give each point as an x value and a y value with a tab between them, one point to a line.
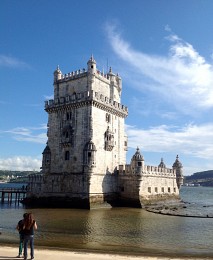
12	194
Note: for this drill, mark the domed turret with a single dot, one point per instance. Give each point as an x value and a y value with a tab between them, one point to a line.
46	160
137	162
179	171
89	146
89	154
57	74
162	164
91	65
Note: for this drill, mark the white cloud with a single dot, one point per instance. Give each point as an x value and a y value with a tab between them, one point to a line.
182	78
7	61
31	134
21	163
48	97
193	140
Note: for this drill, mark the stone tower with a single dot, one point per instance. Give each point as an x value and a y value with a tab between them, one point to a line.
86	139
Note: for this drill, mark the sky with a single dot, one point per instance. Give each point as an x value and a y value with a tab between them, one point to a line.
162	49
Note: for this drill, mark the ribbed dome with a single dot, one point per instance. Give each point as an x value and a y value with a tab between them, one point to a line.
162	164
177	163
137	156
57	71
89	146
91	60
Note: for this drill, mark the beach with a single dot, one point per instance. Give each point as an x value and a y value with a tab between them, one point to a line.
10	253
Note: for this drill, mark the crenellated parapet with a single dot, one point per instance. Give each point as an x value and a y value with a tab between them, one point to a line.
79	99
81	73
158	171
71	75
148	171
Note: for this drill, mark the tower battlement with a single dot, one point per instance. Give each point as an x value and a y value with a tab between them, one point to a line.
85	96
147	170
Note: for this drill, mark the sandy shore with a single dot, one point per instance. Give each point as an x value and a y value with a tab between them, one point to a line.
10	253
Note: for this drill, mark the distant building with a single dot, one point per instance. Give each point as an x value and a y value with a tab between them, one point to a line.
84	161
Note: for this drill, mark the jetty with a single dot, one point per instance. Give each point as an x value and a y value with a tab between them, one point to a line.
12	194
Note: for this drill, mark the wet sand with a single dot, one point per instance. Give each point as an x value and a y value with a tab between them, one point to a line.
10	253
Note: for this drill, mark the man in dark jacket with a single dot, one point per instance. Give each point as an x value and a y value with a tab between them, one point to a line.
19	227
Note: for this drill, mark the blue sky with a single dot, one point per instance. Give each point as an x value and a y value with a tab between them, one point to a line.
163	50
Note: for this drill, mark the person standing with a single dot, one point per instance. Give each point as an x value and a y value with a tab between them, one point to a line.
19	227
28	231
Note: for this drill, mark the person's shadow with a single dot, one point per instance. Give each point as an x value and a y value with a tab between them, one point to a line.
8	257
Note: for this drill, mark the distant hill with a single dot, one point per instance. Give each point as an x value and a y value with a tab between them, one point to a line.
204	178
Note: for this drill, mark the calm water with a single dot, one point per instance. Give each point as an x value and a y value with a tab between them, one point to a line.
121	230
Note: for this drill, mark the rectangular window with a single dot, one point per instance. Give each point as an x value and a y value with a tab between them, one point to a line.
156	189
67	156
174	190
149	189
169	190
162	189
139	164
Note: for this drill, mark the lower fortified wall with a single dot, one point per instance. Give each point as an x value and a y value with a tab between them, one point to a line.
134	185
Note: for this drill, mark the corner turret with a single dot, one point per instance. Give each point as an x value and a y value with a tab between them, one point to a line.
179	171
57	74
162	164
137	162
91	65
46	160
89	155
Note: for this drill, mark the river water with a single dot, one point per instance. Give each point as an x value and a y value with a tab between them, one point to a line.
121	230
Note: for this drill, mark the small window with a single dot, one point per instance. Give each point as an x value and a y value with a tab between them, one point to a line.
162	189
149	189
139	164
108	118
174	190
67	156
89	154
156	189
169	190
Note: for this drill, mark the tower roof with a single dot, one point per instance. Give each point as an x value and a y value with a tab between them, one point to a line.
137	156
57	71
177	163
162	164
91	60
89	146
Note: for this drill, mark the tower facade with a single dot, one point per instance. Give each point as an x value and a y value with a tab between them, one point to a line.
85	122
86	137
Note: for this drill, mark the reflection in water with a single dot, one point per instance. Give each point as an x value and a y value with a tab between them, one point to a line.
121	230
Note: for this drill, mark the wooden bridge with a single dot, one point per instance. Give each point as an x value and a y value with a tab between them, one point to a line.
12	194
